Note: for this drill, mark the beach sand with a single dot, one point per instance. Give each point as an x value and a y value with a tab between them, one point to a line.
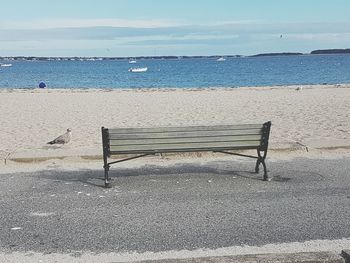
314	118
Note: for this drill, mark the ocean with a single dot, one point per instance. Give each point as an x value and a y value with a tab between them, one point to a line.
179	73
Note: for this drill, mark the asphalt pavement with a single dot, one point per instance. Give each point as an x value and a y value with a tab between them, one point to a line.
186	206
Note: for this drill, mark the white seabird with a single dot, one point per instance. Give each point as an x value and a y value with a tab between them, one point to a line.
63	139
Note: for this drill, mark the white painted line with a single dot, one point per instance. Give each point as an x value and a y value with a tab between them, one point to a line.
42	214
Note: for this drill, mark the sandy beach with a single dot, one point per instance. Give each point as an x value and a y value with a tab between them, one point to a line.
317	117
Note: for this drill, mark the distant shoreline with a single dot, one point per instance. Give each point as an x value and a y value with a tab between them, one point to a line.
97	58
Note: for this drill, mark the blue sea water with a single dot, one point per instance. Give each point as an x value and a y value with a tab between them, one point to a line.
179	73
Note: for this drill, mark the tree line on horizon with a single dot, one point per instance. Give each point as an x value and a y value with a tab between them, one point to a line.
314	52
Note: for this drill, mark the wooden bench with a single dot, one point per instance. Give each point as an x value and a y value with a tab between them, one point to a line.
149	141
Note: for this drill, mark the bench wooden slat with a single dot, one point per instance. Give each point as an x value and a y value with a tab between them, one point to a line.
145	141
182	146
185	134
183	129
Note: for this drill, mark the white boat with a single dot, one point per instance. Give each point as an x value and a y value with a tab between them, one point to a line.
221	59
132	61
138	69
6	65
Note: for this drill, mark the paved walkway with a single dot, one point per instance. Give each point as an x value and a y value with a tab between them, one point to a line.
189	207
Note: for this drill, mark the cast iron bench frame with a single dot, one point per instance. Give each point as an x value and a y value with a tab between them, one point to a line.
158	140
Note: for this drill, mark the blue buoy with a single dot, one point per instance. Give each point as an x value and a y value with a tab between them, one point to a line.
42	85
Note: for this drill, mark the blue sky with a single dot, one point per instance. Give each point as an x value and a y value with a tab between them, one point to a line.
171	27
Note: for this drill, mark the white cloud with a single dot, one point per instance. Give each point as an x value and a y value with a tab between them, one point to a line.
183	38
237	22
111	22
320	37
81	23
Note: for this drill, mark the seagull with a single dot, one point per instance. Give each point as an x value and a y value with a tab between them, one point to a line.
299	88
63	139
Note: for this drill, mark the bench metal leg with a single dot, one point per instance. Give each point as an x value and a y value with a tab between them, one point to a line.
266	178
107	178
261	160
105	148
257	165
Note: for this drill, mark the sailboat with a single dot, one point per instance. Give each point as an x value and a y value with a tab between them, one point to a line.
221	59
138	69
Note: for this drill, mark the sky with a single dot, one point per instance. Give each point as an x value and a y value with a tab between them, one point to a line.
130	28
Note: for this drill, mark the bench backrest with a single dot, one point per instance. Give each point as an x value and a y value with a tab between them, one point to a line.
185	139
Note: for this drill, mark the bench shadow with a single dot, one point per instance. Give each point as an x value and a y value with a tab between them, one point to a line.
96	177
183	169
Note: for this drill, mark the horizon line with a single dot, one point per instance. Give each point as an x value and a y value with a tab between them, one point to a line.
313	52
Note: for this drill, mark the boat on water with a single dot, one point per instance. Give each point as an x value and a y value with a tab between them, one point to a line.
221	59
5	65
138	69
132	61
